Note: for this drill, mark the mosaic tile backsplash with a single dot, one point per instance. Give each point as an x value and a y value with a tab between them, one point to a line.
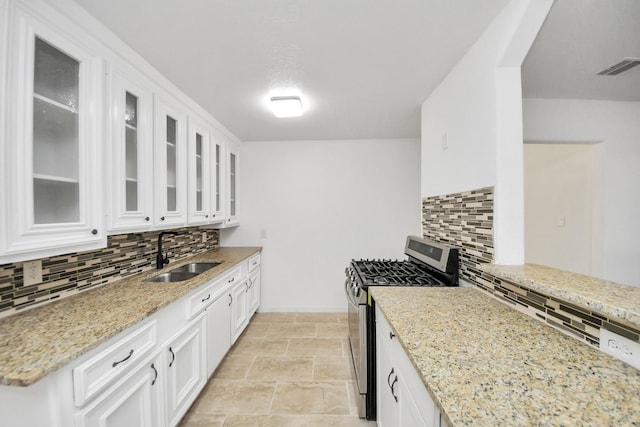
125	255
465	220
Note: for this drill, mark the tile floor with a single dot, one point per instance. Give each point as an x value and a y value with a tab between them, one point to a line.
286	370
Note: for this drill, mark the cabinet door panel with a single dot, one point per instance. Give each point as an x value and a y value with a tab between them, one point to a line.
136	401
185	369
239	310
52	203
218	331
199	172
170	145
130	159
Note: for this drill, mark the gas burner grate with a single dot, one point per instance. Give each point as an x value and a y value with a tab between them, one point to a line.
395	273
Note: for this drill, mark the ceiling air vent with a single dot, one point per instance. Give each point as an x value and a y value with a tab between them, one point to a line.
620	67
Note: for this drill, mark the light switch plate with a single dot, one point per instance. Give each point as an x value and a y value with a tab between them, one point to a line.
32	271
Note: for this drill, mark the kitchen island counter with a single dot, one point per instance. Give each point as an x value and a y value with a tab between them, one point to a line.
43	339
486	364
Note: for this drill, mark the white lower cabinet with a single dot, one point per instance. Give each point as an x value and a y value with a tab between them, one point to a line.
185	367
218	316
135	401
239	309
147	375
402	398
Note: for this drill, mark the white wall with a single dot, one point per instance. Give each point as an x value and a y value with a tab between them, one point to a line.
320	204
617	126
559	206
478	106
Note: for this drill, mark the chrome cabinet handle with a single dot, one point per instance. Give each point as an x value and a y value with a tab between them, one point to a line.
208	297
389	378
230	300
231	280
156	372
123	360
173	356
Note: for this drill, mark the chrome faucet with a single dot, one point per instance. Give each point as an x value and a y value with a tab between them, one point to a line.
160	259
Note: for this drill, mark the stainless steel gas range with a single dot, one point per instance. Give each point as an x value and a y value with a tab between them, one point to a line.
429	263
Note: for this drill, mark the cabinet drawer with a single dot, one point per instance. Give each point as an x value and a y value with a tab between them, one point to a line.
199	301
254	262
231	278
91	377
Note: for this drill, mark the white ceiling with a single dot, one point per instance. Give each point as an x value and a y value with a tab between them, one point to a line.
579	39
363	67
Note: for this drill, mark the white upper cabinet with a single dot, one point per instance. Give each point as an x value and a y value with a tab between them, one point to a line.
130	155
199	171
231	175
170	154
52	139
217	179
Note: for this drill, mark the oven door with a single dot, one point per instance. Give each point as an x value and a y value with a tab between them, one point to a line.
358	343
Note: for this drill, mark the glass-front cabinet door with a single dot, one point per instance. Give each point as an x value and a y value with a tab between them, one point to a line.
170	162
217	179
130	164
199	171
52	203
232	173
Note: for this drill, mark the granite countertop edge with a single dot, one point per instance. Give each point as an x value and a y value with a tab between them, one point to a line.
619	301
485	363
43	339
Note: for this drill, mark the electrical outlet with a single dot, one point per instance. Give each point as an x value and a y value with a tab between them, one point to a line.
620	347
32	271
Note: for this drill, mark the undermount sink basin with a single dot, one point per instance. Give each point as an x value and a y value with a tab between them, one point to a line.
195	267
184	272
172	276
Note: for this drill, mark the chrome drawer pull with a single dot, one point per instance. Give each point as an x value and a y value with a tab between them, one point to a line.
204	299
123	360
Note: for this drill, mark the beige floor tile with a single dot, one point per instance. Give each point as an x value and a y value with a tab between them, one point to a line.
346	350
233	367
310	398
274	317
351	390
265	421
343	317
337	421
296	421
291	330
203	420
318	317
225	396
315	347
247	346
281	368
333	329
331	369
256	330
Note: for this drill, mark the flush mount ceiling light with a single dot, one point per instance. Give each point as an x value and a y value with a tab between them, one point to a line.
286	106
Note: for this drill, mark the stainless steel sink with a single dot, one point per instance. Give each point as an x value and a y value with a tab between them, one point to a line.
184	272
195	267
172	276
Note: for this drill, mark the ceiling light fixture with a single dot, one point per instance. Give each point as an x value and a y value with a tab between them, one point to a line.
286	106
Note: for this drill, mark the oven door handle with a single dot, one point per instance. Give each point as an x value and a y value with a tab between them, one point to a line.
350	296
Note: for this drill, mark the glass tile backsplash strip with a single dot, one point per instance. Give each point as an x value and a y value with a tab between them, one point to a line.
125	255
465	220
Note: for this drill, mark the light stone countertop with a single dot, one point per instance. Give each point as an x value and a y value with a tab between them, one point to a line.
486	364
38	341
612	299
